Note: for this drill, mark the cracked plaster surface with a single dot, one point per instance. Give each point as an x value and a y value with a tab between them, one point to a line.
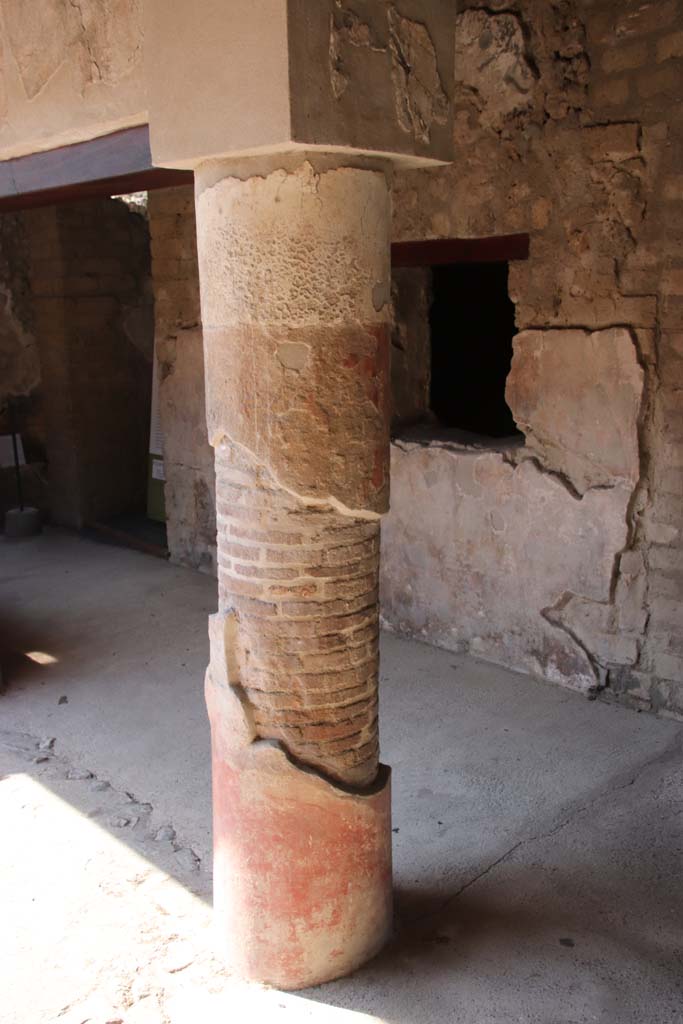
497	543
576	396
71	70
103	39
419	97
490	51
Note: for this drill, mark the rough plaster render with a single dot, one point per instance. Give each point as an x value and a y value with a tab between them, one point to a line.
190	488
486	525
72	72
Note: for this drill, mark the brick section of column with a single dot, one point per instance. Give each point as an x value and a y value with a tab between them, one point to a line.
302	583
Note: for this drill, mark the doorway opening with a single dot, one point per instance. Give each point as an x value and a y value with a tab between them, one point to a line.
135	516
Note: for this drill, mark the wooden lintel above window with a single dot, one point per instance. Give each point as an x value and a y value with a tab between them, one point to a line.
112	164
439	251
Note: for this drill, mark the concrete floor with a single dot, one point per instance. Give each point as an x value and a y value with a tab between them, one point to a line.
538	836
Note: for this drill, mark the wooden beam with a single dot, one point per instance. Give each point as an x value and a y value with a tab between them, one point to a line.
438	251
109	165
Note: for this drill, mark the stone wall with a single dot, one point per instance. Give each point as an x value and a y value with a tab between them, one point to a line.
19	367
19	362
563	557
188	457
92	316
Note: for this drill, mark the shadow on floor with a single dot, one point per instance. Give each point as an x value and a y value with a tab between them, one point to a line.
131	530
541	943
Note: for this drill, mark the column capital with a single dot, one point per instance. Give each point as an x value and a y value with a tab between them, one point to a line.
368	78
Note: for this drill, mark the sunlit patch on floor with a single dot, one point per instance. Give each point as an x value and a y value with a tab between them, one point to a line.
41	657
100	933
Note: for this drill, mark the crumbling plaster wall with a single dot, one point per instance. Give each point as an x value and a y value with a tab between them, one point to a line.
190	489
563	557
92	316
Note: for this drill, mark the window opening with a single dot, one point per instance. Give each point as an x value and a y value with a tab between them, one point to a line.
472	324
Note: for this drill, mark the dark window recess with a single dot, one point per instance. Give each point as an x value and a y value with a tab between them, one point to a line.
472	323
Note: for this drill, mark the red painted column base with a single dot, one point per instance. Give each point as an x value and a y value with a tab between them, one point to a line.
302	867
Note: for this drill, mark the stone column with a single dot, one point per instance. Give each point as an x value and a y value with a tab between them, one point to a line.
294	270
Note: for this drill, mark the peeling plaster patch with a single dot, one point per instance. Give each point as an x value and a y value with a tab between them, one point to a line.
323	430
594	625
101	38
319	703
351	32
420	97
293	355
586	179
328	503
496	547
576	395
490	60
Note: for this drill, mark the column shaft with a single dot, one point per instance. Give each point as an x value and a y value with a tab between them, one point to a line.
294	271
